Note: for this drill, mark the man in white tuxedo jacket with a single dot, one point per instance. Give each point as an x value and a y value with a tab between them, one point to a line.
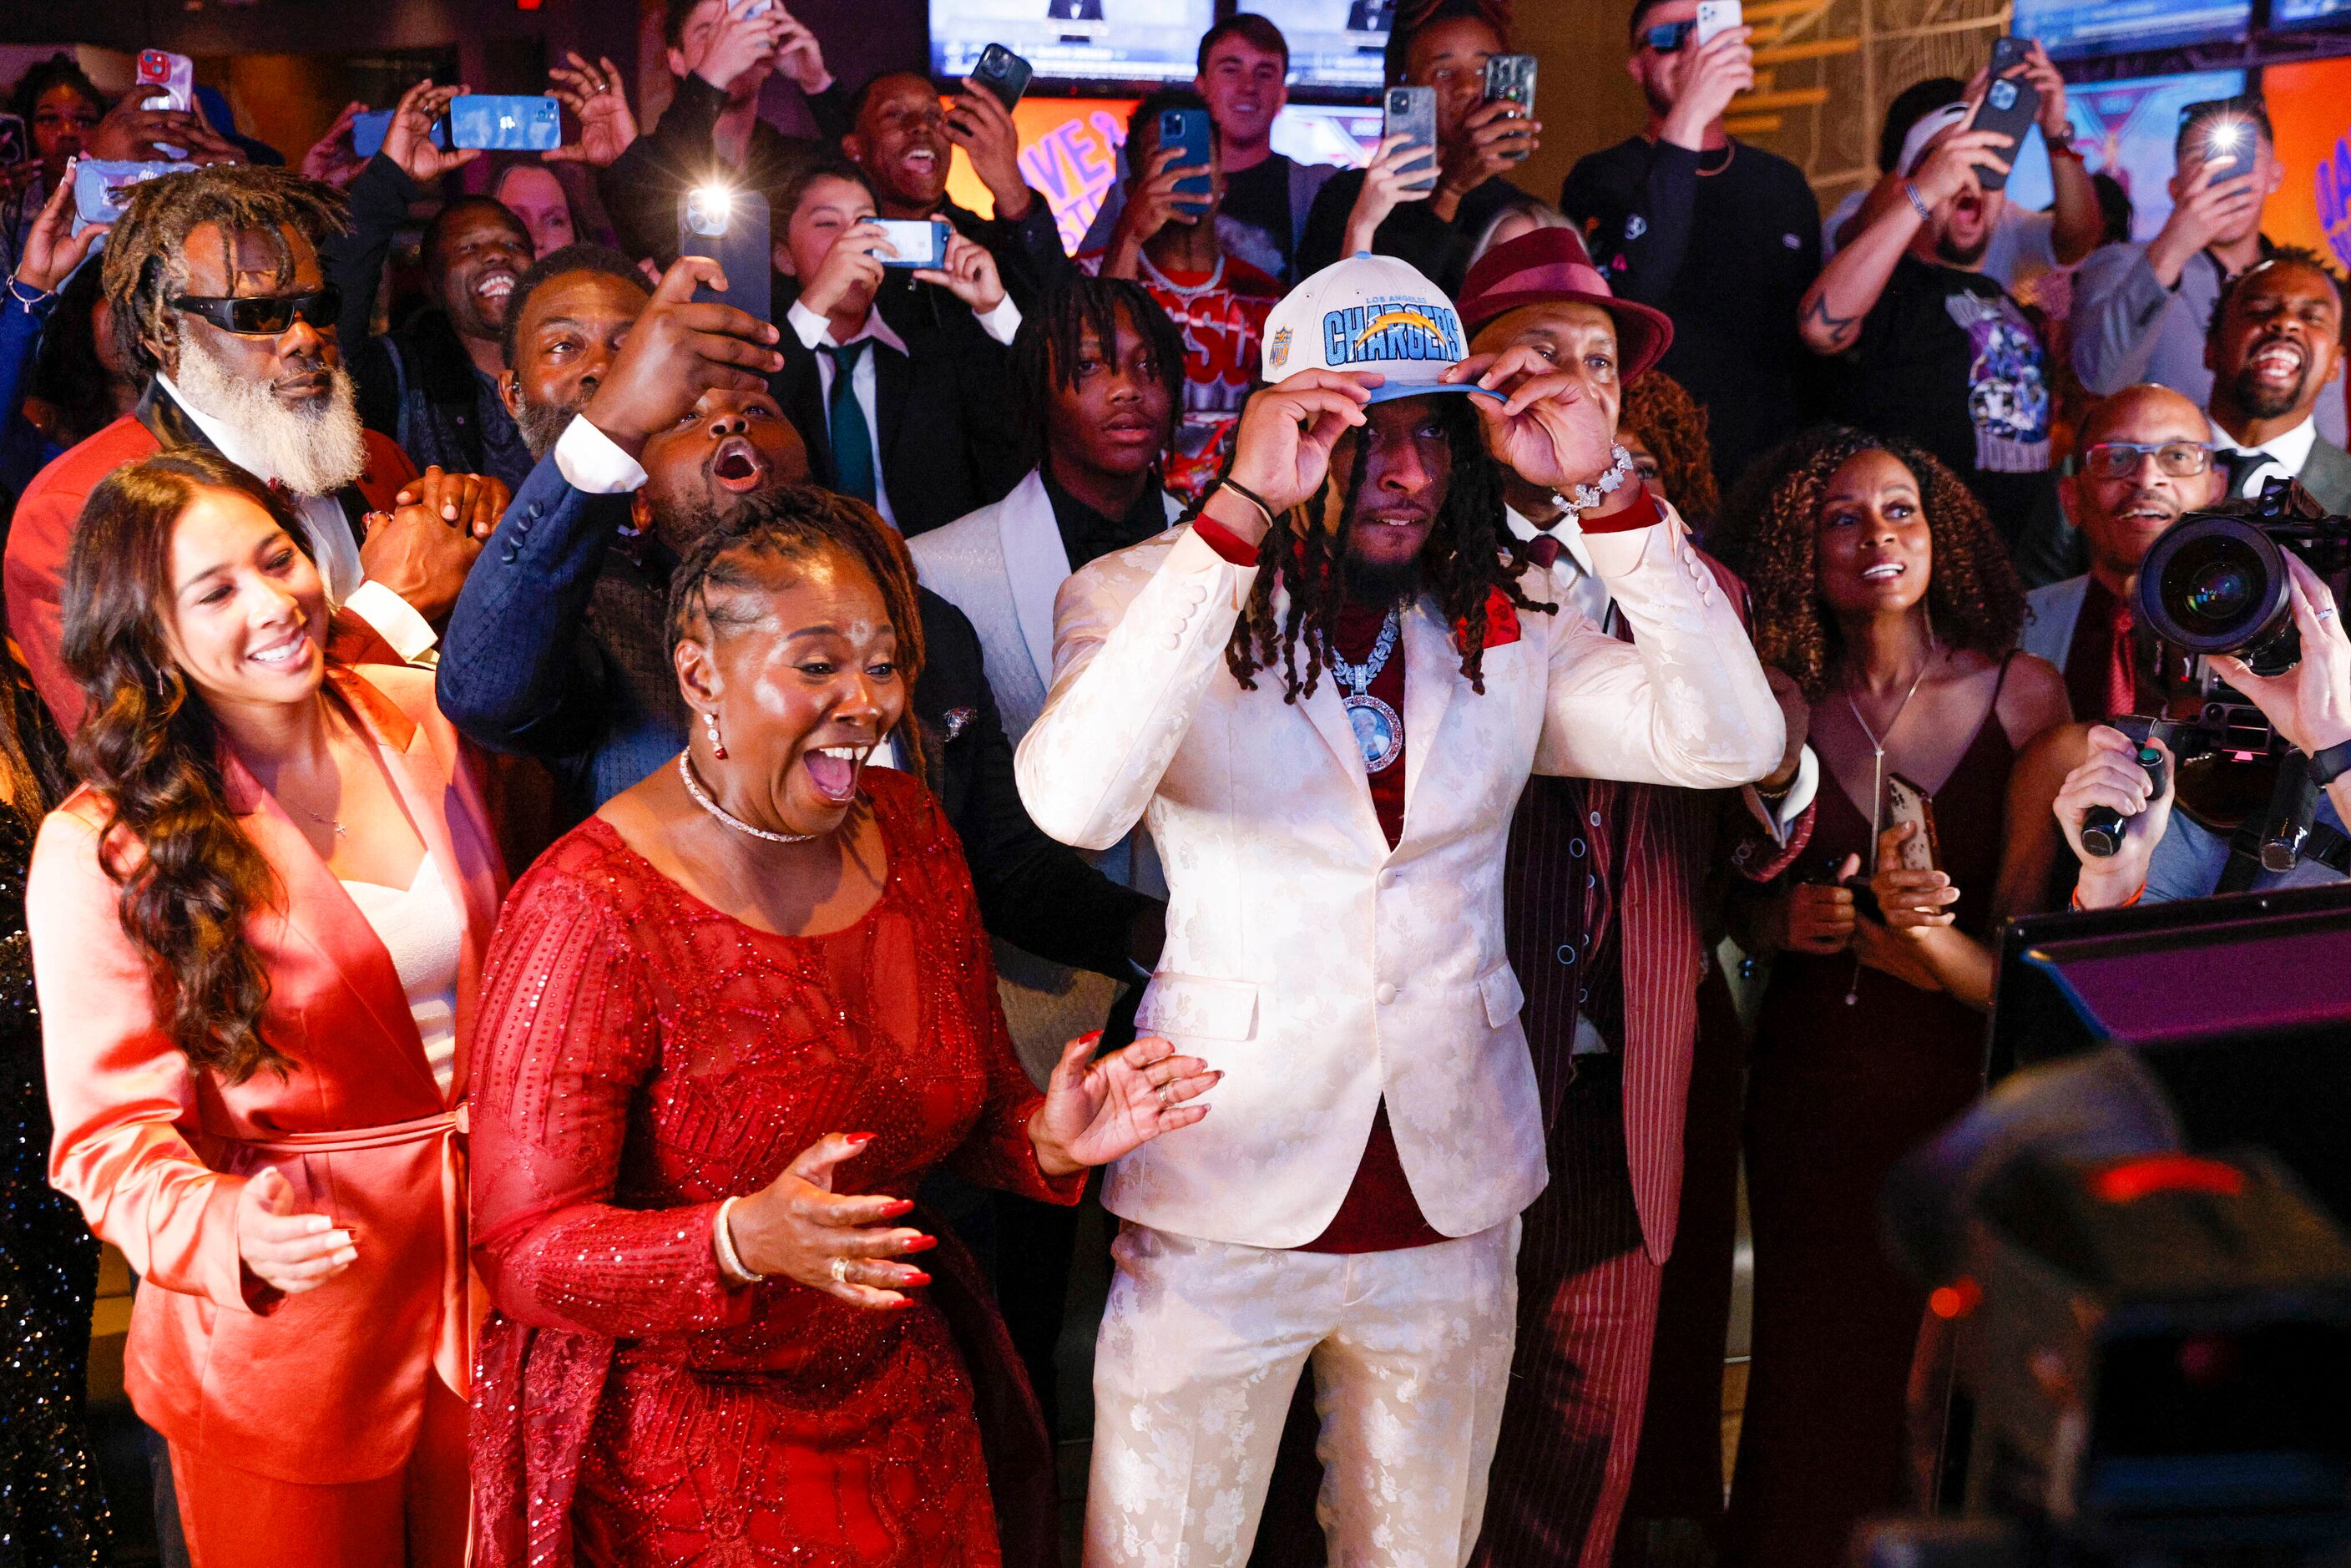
1330	789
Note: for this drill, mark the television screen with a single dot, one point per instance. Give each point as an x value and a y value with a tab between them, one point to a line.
2286	13
1074	40
1332	43
2125	129
2119	27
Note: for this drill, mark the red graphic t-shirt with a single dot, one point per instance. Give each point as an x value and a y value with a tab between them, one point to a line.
1220	315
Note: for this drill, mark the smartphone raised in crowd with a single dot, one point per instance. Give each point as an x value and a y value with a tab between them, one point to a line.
369	128
1411	112
919	242
1002	73
1187	131
1510	79
507	122
2011	105
1716	16
169	80
730	227
100	186
2225	140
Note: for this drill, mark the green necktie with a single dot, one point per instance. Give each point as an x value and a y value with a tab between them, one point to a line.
852	438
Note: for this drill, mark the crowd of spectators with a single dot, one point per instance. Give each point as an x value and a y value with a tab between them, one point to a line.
502	773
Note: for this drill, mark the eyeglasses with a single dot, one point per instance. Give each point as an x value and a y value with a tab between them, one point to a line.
1667	37
265	315
2120	459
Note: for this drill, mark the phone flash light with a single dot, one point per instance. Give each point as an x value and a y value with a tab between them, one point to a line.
707	209
2225	135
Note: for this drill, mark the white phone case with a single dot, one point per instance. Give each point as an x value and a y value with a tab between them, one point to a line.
1716	16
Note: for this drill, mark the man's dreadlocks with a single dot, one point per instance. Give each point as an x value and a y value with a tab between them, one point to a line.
147	255
1465	562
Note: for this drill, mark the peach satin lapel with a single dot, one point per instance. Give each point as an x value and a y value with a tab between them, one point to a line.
322	915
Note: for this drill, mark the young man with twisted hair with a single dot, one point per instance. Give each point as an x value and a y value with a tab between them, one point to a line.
217	294
1323	697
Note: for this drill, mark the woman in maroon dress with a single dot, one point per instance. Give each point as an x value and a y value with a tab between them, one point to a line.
1881	587
728	1024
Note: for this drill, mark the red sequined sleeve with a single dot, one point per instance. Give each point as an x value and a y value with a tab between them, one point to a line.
996	1152
566	1040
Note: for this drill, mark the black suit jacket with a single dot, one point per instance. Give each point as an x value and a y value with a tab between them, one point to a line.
947	444
1034	893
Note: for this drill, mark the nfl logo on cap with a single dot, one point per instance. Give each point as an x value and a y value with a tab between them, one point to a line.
1369	313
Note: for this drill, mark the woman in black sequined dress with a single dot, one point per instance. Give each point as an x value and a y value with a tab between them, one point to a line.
52	1513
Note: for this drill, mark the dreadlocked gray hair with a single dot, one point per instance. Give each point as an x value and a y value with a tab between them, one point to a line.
147	253
1469	559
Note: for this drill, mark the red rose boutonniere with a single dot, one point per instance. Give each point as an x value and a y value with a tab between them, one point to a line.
1501	621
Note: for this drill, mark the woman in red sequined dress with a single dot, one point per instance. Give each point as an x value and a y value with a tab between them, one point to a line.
728	1024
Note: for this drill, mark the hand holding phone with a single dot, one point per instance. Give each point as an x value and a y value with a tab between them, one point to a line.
1410	113
2011	105
1002	73
1714	18
730	226
1510	79
914	241
1187	131
507	122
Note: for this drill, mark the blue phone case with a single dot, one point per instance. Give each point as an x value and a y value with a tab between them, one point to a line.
100	185
738	242
369	129
505	122
1188	128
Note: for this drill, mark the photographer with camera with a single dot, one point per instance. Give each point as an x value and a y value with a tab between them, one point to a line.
2164	854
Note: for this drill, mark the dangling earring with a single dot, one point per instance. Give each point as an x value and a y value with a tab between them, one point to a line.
717	747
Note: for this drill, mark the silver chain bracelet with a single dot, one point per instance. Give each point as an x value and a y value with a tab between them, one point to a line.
1584	498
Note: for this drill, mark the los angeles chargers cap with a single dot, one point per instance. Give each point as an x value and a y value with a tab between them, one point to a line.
1369	313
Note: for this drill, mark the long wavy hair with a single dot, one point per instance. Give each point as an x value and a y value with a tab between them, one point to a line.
1469	559
1771	529
1672	424
150	749
709	590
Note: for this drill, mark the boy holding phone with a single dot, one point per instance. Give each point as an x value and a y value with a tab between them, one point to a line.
1479	144
1720	235
2140	310
898	393
1172	242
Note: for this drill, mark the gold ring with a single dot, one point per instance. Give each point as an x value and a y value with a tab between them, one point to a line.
840	1270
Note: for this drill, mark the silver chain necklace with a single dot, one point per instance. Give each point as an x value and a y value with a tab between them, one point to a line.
1877	778
702	798
1379	730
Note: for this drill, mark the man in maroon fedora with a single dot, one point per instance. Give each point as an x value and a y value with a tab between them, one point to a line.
1610	927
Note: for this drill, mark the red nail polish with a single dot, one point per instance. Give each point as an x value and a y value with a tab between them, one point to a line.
902	1205
860	1137
902	1303
921	1244
916	1277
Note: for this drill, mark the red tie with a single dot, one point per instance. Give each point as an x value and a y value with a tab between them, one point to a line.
2121	679
1544	548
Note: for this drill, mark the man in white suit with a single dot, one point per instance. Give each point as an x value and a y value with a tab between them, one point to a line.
1327	750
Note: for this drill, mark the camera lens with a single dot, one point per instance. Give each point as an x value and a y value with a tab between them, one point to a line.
2214	584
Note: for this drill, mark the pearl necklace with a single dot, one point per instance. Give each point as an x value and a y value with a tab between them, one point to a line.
702	798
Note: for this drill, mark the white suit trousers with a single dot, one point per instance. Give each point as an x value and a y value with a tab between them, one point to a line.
1201	1349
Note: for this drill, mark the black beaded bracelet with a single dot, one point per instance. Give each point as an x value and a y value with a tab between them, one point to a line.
1246	493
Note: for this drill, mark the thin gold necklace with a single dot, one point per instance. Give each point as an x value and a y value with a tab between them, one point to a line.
1877	778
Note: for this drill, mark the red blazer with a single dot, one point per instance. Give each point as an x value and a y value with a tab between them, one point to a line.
1676	841
327	1387
51	508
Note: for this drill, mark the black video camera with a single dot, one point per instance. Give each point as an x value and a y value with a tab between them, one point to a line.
2216	581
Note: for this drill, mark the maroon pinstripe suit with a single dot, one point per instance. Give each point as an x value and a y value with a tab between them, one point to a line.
1624	866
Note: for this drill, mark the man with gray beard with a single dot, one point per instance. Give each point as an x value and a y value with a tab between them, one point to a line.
217	295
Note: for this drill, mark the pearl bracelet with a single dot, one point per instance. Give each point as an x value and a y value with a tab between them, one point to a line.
730	1262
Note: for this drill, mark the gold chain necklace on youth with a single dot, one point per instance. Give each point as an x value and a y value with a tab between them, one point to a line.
1877	778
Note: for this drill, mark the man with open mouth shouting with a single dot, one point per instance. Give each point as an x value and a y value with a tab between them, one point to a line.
2275	349
1323	697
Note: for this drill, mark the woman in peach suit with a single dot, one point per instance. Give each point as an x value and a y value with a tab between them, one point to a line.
256	937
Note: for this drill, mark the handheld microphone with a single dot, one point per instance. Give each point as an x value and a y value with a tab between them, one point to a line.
2103	827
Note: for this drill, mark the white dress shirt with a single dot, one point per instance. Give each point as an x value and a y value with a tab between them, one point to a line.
815	332
331	543
2286	454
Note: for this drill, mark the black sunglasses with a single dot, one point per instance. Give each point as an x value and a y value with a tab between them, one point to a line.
265	315
1667	37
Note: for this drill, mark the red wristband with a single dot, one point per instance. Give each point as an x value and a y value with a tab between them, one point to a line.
1643	512
2139	893
1224	541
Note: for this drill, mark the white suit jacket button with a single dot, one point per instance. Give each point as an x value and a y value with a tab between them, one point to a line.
1387	879
1171	641
1385	994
